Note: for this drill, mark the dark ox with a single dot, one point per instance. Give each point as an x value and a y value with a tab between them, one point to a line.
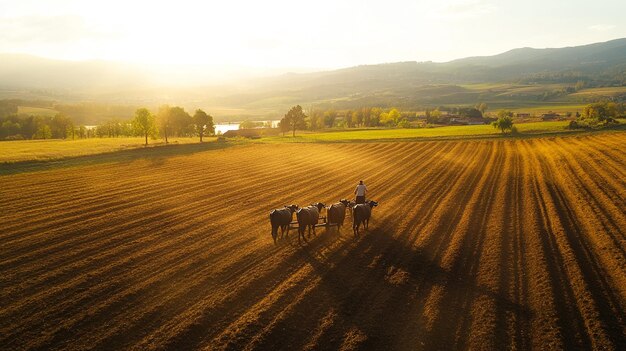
336	213
280	218
361	215
308	217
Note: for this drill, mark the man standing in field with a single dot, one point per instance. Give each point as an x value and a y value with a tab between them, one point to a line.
360	191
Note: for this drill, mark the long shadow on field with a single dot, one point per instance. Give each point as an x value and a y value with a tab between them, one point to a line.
609	306
370	293
156	154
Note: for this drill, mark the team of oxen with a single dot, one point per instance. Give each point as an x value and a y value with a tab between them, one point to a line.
310	216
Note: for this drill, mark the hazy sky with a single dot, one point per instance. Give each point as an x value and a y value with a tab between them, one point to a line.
293	33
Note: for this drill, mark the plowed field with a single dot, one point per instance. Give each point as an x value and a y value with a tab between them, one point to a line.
490	244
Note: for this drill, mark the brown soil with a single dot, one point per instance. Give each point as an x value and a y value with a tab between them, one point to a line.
485	244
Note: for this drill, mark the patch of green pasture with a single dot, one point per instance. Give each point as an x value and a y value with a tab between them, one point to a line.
420	133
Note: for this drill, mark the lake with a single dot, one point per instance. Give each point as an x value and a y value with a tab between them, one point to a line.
222	128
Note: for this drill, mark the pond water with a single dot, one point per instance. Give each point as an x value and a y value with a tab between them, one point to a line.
222	128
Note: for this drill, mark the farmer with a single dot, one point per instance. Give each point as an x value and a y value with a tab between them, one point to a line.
360	192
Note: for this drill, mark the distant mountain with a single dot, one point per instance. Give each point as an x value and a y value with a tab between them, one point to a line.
609	52
407	84
599	64
511	65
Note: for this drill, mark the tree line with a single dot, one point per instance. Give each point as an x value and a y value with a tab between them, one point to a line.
167	122
172	122
599	115
297	118
19	127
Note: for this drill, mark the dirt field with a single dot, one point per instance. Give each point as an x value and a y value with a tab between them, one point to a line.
484	244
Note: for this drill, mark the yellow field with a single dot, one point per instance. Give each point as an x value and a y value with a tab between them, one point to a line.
476	244
54	149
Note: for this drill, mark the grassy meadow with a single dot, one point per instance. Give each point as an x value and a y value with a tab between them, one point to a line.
53	149
423	133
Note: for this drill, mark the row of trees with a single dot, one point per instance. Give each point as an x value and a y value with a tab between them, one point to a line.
168	122
296	118
18	127
364	117
367	117
172	121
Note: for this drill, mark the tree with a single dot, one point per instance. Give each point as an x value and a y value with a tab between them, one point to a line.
203	122
470	112
82	131
600	111
375	113
433	117
43	132
181	122
59	125
144	123
30	125
71	129
163	118
395	115
404	123
9	128
349	119
503	123
295	118
390	118
385	120
358	118
316	119
329	118
283	126
597	114
367	116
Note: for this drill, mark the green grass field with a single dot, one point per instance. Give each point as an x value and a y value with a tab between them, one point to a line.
47	150
421	133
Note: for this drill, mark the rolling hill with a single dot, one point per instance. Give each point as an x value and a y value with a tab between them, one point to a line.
519	77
